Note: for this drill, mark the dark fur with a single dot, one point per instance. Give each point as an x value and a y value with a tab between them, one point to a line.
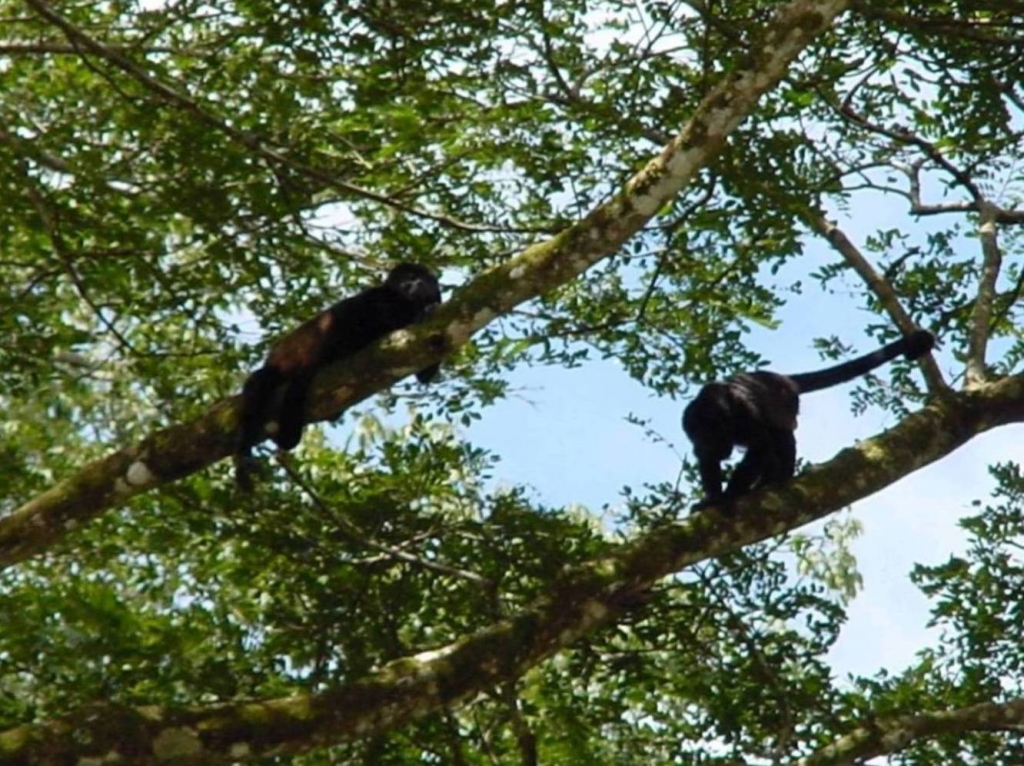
758	410
409	293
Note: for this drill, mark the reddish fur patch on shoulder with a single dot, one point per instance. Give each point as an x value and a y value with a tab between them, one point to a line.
302	347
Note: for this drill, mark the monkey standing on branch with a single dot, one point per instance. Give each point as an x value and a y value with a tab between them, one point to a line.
410	291
758	410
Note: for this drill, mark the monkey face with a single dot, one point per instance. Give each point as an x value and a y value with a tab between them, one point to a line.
415	283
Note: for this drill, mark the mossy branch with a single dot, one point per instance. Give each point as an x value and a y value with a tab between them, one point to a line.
583	600
180	450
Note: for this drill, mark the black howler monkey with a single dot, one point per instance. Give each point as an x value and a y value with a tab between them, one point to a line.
410	291
758	410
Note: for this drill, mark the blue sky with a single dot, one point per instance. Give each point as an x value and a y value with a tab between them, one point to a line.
566	436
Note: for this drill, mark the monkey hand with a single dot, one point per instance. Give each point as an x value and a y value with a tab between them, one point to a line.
245	467
724	503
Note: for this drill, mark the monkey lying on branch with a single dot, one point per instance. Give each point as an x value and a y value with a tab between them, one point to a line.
410	291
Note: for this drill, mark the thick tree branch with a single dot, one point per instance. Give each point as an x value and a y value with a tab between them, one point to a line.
880	287
896	734
992	259
583	600
177	451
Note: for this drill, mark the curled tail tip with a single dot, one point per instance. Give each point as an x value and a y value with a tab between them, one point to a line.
428	374
919	343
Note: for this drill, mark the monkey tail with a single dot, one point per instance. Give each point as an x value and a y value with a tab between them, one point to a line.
912	346
427	374
257	396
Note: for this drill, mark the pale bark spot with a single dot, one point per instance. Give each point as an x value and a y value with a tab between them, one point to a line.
433	655
482	317
595	610
239	750
139	475
459	333
105	760
647	204
176	743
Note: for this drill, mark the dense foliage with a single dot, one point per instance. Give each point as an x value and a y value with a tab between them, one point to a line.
182	181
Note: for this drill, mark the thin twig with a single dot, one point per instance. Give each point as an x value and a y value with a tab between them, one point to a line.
248	139
356	534
525	738
903	135
882	290
49	219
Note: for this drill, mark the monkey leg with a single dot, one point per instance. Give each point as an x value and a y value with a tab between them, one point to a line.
782	465
292	418
257	397
770	459
751	468
710	479
710	453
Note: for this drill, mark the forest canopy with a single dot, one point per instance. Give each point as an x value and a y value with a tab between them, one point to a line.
624	184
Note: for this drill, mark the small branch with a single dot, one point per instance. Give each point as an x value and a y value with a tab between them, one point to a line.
942	208
1000	215
917	207
29	148
887	737
984	30
905	136
61	48
1008	217
882	290
980	325
526	740
649	292
1008	300
51	225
